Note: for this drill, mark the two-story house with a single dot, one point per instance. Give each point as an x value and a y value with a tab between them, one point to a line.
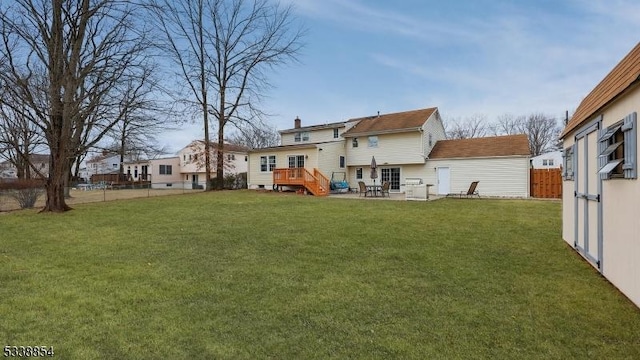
409	144
192	164
400	143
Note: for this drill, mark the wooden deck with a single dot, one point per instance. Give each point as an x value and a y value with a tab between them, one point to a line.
315	182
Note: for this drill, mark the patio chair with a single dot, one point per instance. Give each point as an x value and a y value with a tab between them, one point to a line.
472	190
385	189
363	189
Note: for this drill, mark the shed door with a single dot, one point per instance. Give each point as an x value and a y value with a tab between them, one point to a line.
444	181
587	197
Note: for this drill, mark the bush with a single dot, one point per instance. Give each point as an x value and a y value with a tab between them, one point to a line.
231	181
25	192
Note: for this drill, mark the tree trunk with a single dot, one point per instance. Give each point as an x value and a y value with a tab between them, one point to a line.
220	158
58	166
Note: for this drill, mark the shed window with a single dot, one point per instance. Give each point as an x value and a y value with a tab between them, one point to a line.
567	172
618	149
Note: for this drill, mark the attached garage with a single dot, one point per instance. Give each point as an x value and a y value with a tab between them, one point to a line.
500	164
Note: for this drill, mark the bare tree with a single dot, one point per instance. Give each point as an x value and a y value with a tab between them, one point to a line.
508	124
255	137
20	139
142	120
87	52
543	132
471	127
226	49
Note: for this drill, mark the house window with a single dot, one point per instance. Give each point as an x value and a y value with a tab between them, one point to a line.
359	173
296	161
267	163
195	157
245	158
115	166
618	149
165	170
342	162
373	141
547	162
430	140
354	142
301	136
231	157
567	172
335	133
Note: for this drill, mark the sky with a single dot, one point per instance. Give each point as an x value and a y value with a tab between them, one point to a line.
466	57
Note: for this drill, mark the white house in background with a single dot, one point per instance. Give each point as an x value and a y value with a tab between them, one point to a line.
105	163
601	190
550	160
192	165
403	145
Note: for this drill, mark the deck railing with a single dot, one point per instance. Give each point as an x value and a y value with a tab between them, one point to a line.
316	182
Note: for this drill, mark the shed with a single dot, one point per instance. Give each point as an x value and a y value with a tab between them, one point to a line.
601	191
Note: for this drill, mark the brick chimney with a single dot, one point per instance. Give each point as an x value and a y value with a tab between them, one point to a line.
296	123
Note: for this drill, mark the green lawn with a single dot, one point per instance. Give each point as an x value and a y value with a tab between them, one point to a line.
247	275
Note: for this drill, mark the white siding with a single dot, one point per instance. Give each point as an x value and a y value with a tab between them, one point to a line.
329	158
506	177
315	136
393	149
538	162
434	128
257	178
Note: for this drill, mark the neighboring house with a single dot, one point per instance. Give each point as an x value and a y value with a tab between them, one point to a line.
499	163
164	173
192	165
105	163
601	191
39	161
402	144
550	160
137	170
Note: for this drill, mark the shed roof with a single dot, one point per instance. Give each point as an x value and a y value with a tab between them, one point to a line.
622	77
387	123
508	145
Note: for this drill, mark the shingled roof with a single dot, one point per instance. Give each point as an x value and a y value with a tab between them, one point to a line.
508	145
390	123
621	78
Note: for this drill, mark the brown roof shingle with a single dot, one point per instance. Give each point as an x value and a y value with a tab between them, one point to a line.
395	122
623	76
508	145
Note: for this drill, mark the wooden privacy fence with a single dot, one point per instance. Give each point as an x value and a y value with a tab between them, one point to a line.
546	183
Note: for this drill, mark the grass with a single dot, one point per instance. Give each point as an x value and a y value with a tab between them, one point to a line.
245	275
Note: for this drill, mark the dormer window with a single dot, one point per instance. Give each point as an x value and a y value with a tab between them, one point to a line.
335	133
